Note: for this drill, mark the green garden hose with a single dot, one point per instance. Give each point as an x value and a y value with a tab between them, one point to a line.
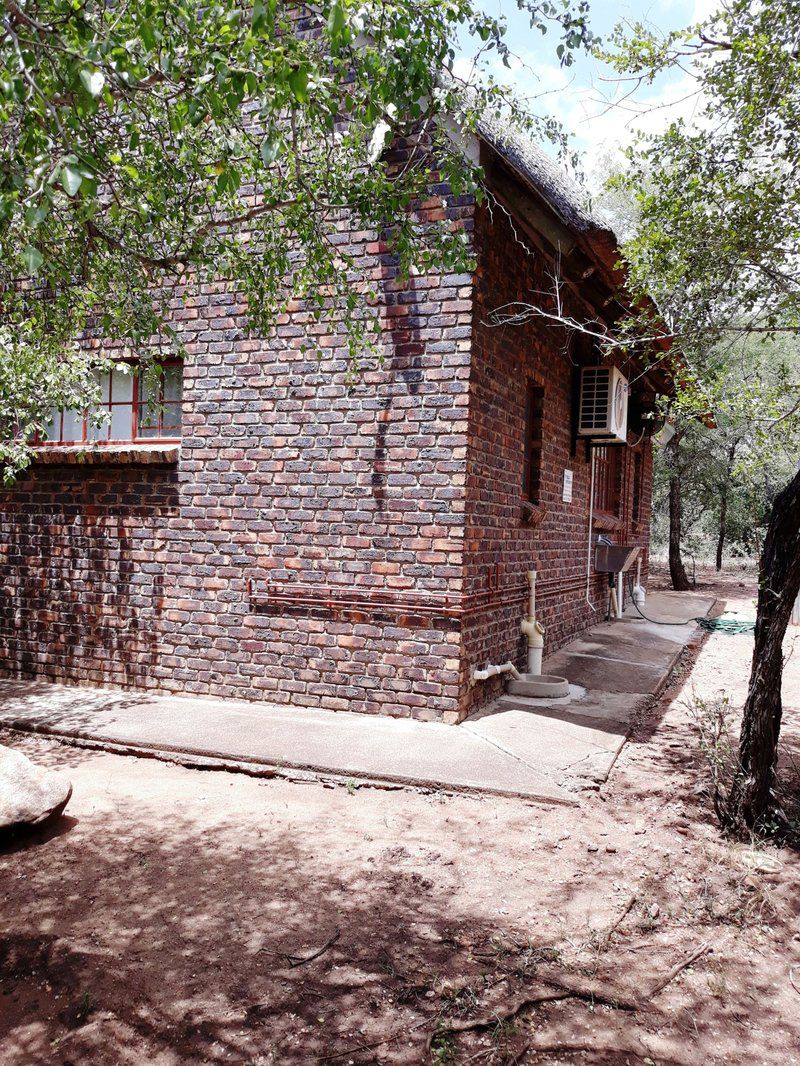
731	626
725	625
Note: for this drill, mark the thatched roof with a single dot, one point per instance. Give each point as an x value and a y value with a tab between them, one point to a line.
570	201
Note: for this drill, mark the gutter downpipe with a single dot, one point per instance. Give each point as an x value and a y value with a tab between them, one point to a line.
589	550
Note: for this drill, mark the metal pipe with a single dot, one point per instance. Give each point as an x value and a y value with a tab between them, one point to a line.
309	595
589	550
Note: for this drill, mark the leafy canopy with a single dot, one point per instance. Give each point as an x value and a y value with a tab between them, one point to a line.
718	238
145	139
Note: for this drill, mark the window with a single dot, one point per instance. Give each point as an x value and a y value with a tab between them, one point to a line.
137	410
607	469
532	467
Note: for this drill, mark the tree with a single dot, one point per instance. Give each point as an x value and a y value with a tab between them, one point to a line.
717	246
713	265
729	475
677	570
155	140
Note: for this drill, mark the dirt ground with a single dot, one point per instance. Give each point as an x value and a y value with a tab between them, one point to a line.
171	916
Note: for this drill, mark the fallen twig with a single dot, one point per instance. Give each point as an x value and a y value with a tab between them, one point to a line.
606	938
791	980
564	989
299	960
518	1057
673	973
591	995
489	1021
377	1043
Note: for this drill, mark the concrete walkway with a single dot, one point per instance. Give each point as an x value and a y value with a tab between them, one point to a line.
531	748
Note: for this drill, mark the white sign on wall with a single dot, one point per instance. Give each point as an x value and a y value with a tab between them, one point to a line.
566	494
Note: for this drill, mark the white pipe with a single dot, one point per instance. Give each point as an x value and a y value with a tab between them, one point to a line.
619	594
589	552
533	630
490	670
638	593
536	650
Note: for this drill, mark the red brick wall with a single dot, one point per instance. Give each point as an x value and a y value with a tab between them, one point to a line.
500	547
138	575
408	480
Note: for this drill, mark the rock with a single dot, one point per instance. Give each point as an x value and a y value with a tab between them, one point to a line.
592	847
611	848
29	794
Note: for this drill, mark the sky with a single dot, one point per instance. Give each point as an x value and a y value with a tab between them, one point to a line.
580	96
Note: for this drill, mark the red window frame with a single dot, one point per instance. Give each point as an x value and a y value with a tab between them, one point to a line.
607	479
135	404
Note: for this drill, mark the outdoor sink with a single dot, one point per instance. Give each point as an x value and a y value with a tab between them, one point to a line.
615	558
539	686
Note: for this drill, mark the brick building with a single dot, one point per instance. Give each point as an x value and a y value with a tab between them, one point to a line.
279	534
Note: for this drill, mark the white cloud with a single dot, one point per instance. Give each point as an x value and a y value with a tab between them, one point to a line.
601	112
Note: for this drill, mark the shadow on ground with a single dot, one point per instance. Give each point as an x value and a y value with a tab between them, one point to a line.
186	935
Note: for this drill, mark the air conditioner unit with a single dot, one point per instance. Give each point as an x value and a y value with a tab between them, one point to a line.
603	413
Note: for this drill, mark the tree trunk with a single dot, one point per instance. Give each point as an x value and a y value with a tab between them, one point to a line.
723	508
677	571
723	528
779	585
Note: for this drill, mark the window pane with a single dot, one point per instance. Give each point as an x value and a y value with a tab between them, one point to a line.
104	383
98	432
173	383
72	426
122	419
148	416
159	413
171	419
53	428
121	387
148	389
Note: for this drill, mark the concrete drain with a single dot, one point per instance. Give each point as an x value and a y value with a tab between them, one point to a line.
539	686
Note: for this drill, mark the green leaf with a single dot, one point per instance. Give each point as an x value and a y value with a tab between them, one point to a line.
298	83
336	20
147	36
71	179
269	151
259	16
32	258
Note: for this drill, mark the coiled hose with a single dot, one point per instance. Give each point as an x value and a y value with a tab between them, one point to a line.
730	626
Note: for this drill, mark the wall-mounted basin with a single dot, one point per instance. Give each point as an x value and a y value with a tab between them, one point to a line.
615	558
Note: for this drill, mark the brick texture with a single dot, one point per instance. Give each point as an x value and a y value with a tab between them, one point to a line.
500	545
406	484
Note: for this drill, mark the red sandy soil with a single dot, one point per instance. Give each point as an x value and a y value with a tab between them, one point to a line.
163	918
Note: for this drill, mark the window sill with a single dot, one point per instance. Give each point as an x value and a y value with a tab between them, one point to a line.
609	522
110	454
533	513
